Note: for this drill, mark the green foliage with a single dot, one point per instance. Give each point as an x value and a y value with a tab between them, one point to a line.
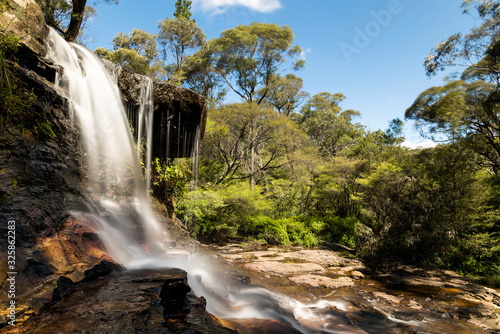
478	50
240	211
340	230
136	52
274	232
249	56
16	100
468	107
199	209
218	215
423	208
249	141
169	182
45	127
330	126
182	9
180	37
338	186
202	78
284	93
140	41
284	231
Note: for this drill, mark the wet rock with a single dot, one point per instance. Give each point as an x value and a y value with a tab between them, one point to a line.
103	268
141	301
323	281
279	268
40	182
357	274
259	326
63	285
390	298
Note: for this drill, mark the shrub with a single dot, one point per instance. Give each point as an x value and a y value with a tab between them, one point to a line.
334	229
274	232
219	214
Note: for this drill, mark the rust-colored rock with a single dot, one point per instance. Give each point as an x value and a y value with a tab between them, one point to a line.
74	249
25	19
259	326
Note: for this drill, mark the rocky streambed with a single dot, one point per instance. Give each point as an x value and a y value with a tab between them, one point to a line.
333	292
405	300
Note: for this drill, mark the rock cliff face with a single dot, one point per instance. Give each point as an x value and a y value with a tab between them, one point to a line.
179	113
42	182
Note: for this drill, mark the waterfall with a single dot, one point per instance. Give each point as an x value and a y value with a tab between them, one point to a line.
114	176
195	155
113	169
145	124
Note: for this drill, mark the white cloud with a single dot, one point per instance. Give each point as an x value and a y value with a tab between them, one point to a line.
221	6
304	53
424	144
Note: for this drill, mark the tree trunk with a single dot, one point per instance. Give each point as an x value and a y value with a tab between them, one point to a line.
76	20
252	156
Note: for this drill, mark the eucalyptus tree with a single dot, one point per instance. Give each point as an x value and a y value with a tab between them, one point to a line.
247	141
469	107
248	57
67	17
137	52
180	37
202	78
328	125
285	93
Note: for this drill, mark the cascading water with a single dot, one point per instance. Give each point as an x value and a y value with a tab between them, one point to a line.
113	170
145	124
114	176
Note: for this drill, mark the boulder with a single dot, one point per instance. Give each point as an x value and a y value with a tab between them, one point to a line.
25	19
179	114
141	301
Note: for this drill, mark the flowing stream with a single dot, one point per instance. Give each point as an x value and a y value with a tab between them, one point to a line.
114	177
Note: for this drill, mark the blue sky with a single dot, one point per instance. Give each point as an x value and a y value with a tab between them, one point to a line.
372	51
